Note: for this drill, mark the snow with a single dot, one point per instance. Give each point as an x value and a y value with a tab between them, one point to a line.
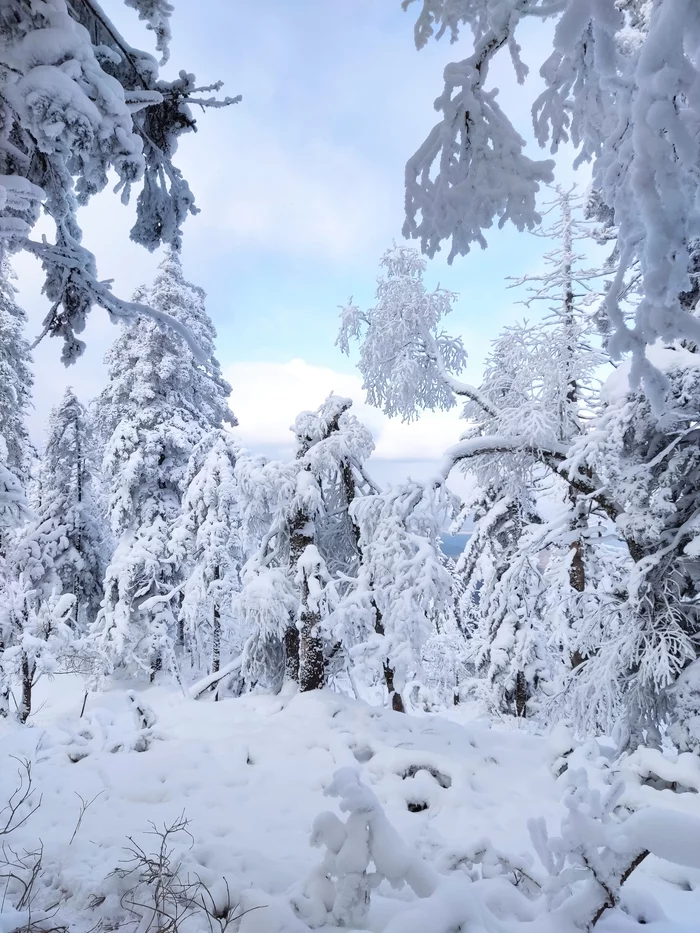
254	774
664	358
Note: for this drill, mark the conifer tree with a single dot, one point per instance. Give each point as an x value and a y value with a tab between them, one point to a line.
207	544
67	500
158	405
16	382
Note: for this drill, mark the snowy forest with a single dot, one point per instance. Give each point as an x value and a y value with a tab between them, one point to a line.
242	693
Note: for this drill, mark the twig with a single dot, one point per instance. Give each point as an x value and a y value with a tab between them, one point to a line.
83	807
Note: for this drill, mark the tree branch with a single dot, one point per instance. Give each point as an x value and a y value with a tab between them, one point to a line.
553	458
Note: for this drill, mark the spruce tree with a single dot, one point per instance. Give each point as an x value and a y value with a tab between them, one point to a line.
207	544
67	499
159	404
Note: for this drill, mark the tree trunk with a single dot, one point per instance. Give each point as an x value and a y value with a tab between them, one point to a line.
291	653
395	698
156	666
216	642
216	633
27	679
521	696
312	670
4	699
301	534
577	581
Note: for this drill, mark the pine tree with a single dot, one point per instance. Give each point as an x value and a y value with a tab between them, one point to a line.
67	499
206	543
649	627
159	404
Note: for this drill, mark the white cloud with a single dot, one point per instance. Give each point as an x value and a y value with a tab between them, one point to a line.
311	197
268	396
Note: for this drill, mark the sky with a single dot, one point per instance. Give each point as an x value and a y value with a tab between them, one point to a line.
300	188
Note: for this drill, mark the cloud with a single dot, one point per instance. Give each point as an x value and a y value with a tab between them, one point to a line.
313	198
268	396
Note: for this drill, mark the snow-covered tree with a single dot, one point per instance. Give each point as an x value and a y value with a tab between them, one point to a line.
649	463
537	394
543	380
158	405
16	378
301	510
207	544
34	630
409	363
403	591
619	85
67	500
78	101
36	612
16	382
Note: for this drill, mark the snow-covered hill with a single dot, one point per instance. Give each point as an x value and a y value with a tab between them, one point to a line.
249	775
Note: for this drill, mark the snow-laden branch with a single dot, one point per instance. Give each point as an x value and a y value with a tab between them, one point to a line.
554	458
77	278
462	389
471	168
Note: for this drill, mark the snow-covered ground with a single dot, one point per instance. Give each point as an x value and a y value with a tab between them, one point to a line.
249	774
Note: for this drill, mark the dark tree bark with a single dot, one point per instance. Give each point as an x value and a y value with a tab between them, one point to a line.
301	640
216	634
291	653
27	682
156	666
395	698
312	670
521	695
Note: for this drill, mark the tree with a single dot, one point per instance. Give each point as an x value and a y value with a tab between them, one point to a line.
78	102
543	380
206	543
38	618
302	512
619	85
650	465
35	628
16	382
402	593
67	500
537	394
158	405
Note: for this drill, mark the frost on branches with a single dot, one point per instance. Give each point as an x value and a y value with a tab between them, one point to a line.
349	583
650	466
532	550
301	510
159	404
403	592
77	101
620	84
16	382
408	362
207	545
67	499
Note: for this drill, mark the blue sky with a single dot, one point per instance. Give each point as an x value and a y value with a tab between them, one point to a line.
301	190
